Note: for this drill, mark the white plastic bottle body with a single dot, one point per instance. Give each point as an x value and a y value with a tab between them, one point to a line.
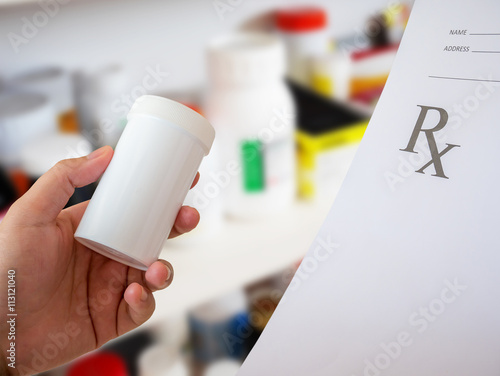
207	197
255	129
301	48
137	200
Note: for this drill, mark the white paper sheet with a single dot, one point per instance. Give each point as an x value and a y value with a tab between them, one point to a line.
404	276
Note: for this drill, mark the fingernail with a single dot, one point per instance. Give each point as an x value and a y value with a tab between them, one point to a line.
96	154
144	295
170	273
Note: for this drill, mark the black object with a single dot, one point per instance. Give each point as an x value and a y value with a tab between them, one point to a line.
82	194
7	190
317	115
377	31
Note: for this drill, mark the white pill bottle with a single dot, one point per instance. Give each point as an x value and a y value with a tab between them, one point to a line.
252	110
137	200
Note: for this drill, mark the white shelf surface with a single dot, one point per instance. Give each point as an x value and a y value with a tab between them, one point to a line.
241	253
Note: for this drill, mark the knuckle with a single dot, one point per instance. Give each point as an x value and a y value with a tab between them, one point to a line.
62	174
61	168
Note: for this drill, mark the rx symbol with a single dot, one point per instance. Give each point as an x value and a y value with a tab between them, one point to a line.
436	155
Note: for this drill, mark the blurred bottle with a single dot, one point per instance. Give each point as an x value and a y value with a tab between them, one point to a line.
24	117
220	328
331	75
223	368
263	298
98	364
253	113
377	31
304	32
370	71
326	129
172	332
102	109
56	84
161	360
38	156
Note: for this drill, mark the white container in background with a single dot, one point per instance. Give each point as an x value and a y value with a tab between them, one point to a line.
223	368
40	155
24	117
160	360
331	75
304	32
173	331
57	84
254	115
143	188
102	108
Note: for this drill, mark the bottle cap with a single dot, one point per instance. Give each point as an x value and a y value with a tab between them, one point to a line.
99	364
180	115
301	19
246	59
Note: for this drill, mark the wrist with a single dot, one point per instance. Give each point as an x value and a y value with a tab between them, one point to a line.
4	370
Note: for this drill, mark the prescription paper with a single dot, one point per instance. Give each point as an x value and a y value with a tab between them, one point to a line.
404	276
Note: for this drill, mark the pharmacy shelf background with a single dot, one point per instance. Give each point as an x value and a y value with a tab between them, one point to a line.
242	253
170	33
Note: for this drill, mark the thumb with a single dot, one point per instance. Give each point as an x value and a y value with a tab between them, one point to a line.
50	194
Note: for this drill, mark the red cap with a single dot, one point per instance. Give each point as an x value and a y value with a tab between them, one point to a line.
372	52
193	107
301	19
99	364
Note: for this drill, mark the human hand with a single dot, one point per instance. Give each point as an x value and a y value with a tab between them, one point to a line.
69	300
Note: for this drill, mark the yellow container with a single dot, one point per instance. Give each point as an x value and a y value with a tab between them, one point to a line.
311	148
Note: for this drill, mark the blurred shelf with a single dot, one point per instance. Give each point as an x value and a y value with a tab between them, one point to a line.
241	253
